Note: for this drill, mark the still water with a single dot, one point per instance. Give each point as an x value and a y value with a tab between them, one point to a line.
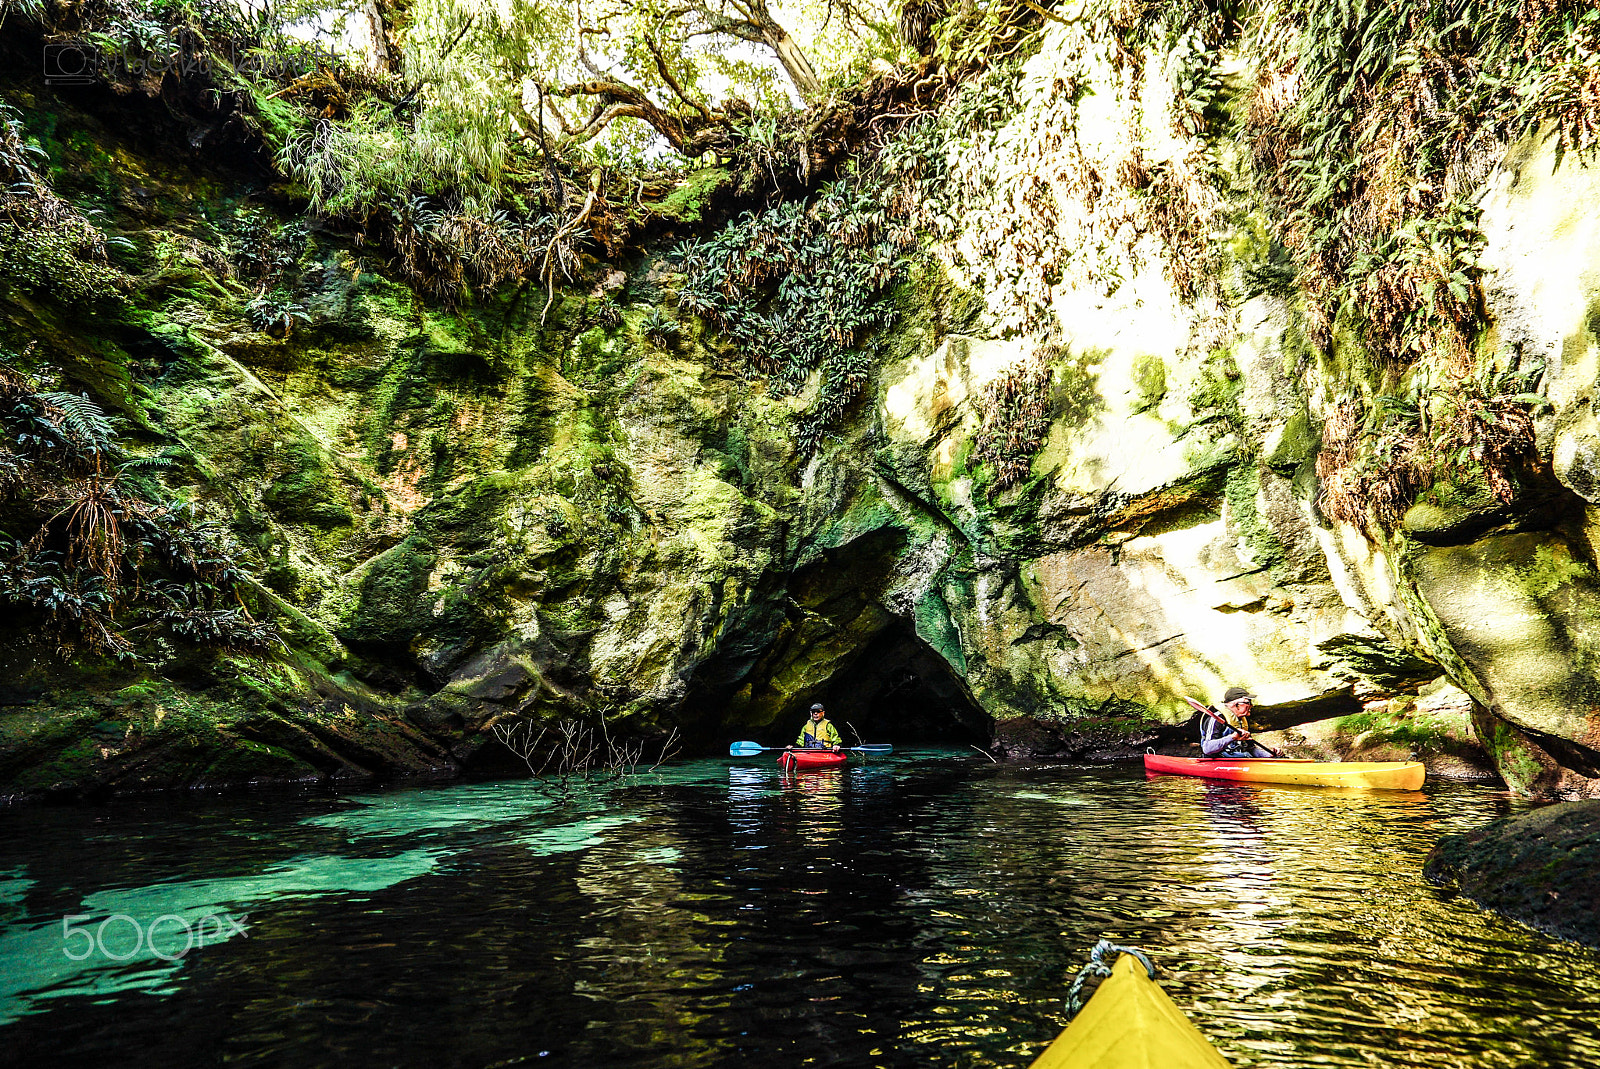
928	909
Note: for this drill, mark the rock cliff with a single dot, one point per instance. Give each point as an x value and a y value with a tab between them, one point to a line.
1099	460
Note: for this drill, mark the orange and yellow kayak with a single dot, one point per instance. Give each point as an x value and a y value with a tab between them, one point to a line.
1372	775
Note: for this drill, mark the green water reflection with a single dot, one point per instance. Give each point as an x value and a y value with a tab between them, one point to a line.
925	910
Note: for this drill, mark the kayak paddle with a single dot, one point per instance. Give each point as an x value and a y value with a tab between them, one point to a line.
750	749
1206	709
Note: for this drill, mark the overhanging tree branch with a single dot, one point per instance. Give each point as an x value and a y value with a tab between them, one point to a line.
691	136
756	25
672	82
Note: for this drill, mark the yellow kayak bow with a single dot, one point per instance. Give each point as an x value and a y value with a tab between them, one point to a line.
1130	1023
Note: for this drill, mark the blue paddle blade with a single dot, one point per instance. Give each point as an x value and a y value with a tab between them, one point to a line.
745	749
873	747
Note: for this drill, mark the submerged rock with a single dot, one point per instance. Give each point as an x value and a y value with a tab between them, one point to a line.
1542	869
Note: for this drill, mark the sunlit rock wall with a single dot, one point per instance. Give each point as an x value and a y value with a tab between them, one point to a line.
1172	547
1175	543
499	514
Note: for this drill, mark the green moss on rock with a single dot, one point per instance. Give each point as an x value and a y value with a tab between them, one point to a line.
1150	379
1295	444
694	194
305	491
1541	868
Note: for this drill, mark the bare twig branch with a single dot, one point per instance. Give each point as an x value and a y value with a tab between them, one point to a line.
672	82
567	228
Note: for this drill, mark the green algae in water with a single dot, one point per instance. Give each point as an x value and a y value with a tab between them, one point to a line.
435	811
14	885
579	835
34	965
430	812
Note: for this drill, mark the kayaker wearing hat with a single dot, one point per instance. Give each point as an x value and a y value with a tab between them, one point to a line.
1232	738
818	733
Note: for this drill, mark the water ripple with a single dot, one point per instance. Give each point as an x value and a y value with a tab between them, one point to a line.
925	911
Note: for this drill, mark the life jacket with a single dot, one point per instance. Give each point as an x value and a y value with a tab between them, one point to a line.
1211	729
819	733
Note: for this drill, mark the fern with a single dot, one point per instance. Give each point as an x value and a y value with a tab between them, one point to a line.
159	462
659	327
800	290
32	10
141	474
85	420
107	546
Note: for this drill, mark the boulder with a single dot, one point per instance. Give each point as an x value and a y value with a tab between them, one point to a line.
1542	869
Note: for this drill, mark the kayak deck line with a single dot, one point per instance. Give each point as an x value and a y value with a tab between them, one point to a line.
1130	1023
1368	775
1263	760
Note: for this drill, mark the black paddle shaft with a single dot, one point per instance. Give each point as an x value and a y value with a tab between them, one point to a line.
1212	713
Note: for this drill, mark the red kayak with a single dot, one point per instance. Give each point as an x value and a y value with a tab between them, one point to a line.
804	760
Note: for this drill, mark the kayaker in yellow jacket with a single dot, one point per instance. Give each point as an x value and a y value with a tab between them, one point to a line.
818	732
1232	738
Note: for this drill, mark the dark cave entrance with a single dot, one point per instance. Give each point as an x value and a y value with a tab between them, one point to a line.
899	690
825	632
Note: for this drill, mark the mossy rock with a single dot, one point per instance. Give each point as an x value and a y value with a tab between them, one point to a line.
1447	514
389	605
1376	659
1294	444
305	493
256	762
1150	379
469	515
1542	869
688	202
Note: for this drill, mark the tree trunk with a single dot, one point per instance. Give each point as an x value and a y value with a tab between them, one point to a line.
757	26
794	61
383	51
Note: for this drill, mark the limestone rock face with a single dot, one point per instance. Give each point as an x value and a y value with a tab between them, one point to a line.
468	517
1178	541
1436	727
1507	595
1522	613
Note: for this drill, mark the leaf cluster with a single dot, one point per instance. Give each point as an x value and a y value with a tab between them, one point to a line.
276	312
47	245
91	543
801	288
1371	128
659	327
1373	125
1466	428
1015	410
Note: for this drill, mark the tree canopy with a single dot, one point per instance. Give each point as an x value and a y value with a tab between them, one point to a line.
617	79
